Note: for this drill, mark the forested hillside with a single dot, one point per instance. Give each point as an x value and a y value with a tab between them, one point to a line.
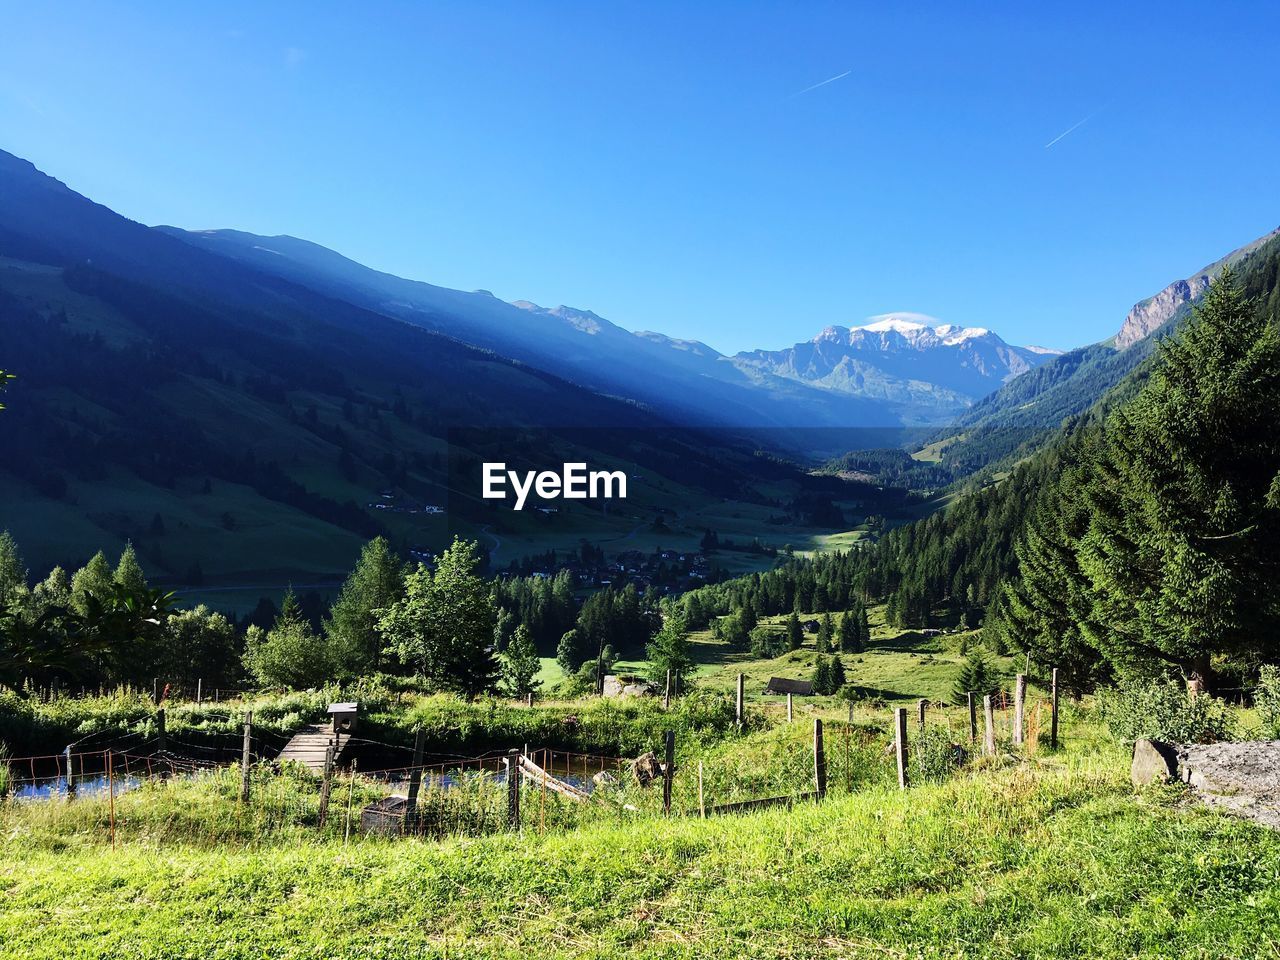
240	429
1144	537
1022	415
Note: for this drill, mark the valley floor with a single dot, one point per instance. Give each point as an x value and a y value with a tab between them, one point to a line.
1048	857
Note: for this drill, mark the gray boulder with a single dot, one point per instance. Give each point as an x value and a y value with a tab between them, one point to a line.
1154	761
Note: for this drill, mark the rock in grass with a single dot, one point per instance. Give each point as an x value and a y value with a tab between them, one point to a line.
1154	761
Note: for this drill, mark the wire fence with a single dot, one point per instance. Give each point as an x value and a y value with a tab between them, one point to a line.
165	787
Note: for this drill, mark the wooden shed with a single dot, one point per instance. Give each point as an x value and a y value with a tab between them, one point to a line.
781	686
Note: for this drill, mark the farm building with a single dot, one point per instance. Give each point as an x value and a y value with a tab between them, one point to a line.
781	686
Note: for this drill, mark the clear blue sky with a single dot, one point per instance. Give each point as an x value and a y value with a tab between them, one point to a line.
659	163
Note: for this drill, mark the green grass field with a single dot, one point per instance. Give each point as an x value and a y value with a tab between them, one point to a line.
1052	857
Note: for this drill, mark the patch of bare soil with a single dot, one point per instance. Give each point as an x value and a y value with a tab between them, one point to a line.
1241	778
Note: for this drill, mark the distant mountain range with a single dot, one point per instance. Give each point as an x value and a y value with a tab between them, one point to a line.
889	373
1020	416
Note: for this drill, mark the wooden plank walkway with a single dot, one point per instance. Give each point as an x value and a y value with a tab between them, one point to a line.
540	777
309	744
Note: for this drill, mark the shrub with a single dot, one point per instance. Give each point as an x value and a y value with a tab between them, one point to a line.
932	755
1161	710
1267	699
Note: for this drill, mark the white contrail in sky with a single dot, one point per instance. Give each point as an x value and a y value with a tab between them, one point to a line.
839	76
1071	129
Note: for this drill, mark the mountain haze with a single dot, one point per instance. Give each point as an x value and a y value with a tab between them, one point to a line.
878	378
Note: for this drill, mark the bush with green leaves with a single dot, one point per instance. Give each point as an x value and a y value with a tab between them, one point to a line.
1266	698
932	756
1161	710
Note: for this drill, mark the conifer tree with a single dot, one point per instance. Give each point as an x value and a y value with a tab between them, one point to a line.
352	627
821	676
977	676
520	664
13	575
669	651
795	632
128	573
1180	553
836	675
824	633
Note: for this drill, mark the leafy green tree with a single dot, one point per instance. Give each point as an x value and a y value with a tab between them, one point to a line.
767	642
374	585
977	676
93	579
520	664
128	572
669	651
1181	550
53	591
443	626
504	630
13	575
290	654
199	644
572	652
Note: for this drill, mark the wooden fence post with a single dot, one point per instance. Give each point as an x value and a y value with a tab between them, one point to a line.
666	696
162	742
1053	710
111	795
973	717
513	789
529	700
155	689
199	690
415	782
702	800
819	760
668	772
739	714
1019	708
351	794
922	705
790	714
989	716
326	786
900	745
244	757
71	780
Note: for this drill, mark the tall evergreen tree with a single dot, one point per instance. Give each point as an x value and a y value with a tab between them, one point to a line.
669	651
825	630
977	676
13	575
520	664
128	572
1181	550
821	675
795	632
352	627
